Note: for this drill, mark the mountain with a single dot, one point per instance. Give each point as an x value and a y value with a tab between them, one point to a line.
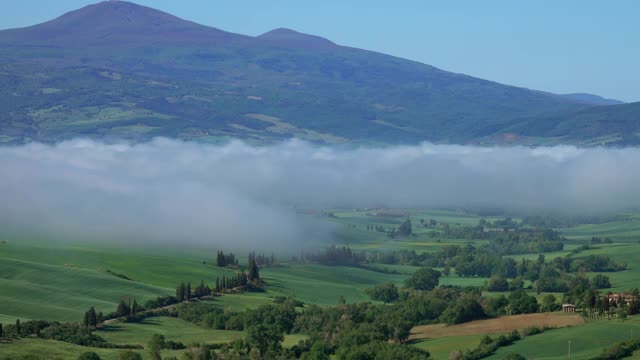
600	125
120	70
117	23
590	99
292	38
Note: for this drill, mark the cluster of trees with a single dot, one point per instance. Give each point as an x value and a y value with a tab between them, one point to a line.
52	330
505	236
378	228
619	350
465	304
90	319
126	309
405	228
185	293
386	293
346	331
224	260
334	255
428	223
598	240
263	260
556	221
228	282
487	347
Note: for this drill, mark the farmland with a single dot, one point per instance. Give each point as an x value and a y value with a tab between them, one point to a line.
58	280
498	325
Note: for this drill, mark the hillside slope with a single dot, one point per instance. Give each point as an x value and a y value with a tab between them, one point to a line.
120	70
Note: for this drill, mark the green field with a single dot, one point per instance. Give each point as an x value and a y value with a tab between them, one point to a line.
441	348
172	329
628	231
57	280
61	281
586	341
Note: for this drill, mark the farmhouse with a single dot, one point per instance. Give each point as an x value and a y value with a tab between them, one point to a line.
619	297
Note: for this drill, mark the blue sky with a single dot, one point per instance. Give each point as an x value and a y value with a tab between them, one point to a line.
559	46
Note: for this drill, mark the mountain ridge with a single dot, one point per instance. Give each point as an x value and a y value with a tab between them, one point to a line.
148	73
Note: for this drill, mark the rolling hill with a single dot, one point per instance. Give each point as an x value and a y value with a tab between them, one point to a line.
119	70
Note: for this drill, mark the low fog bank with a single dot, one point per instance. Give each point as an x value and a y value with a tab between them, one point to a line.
241	195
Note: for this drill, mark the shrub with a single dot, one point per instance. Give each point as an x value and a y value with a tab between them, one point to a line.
130	355
89	355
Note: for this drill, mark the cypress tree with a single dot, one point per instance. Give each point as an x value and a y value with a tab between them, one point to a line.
85	322
254	273
217	284
93	318
188	291
135	307
123	309
1	330
18	327
181	292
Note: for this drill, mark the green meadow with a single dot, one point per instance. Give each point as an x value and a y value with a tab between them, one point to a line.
57	280
586	341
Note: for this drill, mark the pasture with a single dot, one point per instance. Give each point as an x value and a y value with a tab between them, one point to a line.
586	341
55	280
172	329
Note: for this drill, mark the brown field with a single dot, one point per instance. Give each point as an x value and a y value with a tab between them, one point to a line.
497	325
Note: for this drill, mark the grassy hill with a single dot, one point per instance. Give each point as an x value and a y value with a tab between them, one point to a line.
619	124
59	280
119	70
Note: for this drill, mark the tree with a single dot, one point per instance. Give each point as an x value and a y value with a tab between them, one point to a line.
521	303
17	327
180	292
187	291
265	337
464	309
400	330
386	293
601	282
319	351
497	283
549	303
254	272
622	314
1	330
93	318
130	355
156	343
122	309
405	228
424	279
85	322
200	352
135	307
89	355
515	356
